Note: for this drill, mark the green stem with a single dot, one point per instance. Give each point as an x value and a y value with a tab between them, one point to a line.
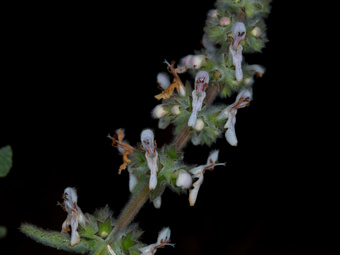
131	209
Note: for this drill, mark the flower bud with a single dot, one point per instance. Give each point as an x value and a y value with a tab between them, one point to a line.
212	13
175	110
256	31
225	21
157	202
197	61
186	61
163	80
199	125
158	112
184	179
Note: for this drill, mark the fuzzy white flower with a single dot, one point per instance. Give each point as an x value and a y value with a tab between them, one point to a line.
242	100
198	172
162	240
74	216
151	155
158	112
184	179
239	35
163	80
198	95
157	202
197	61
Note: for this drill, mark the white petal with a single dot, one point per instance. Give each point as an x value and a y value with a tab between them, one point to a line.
186	61
196	172
237	61
152	165
158	112
194	192
132	182
184	179
231	136
164	234
71	194
213	156
147	138
163	80
181	91
157	202
197	61
239	33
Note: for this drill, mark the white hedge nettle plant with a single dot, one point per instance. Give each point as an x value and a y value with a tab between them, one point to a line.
217	70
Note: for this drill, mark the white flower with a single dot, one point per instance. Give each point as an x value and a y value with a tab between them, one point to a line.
184	179
151	155
186	61
237	60
198	172
158	112
197	61
198	95
242	100
239	35
157	202
162	240
163	80
74	216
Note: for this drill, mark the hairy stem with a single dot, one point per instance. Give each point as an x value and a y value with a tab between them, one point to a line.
131	209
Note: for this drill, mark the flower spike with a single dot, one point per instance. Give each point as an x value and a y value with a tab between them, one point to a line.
176	83
198	95
75	215
123	148
151	155
198	172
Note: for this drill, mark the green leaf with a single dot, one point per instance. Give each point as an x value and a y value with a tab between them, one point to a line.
139	156
104	228
5	160
171	152
127	243
3	232
55	239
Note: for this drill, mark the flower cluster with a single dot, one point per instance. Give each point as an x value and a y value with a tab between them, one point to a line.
235	27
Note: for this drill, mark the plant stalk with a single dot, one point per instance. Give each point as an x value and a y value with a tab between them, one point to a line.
141	196
131	209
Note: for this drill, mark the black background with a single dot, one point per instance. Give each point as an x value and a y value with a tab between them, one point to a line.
74	73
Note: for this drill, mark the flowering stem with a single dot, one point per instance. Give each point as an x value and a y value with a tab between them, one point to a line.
182	138
142	194
131	209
